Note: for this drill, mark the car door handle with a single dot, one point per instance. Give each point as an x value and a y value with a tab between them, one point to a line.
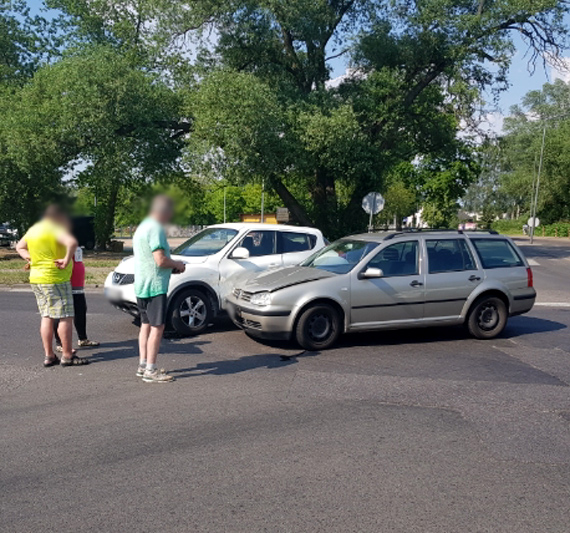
416	283
474	278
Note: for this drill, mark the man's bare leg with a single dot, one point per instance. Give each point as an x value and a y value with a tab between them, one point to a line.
46	332
144	332
152	374
65	332
153	344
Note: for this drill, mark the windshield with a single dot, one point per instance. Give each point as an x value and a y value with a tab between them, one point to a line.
340	257
208	242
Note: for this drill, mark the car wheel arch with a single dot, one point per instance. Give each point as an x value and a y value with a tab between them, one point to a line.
207	289
487	293
320	301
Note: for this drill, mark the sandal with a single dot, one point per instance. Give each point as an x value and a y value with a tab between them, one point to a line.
74	361
86	343
51	362
59	349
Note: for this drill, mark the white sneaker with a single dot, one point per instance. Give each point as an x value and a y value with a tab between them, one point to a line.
156	376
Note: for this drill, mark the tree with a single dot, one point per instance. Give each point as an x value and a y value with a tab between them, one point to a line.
413	86
259	105
25	42
549	107
97	116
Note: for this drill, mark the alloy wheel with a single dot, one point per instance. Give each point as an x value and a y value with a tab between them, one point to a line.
193	311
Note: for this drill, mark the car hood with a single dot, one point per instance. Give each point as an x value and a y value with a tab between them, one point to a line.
127	265
273	280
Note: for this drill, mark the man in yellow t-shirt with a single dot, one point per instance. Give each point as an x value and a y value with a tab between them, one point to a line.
49	247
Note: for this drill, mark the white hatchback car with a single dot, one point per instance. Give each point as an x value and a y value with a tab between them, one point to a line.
215	258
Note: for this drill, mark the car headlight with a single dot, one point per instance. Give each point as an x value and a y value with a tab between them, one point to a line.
261	298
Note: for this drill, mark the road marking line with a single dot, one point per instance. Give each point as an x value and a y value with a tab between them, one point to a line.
553	304
533	262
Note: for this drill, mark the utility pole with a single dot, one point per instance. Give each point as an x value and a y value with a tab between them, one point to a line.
534	204
225	190
262	200
540	161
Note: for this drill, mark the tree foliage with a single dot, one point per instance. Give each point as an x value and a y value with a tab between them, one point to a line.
240	90
550	108
95	115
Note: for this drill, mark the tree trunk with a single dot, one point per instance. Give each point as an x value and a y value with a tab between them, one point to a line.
325	202
295	208
105	216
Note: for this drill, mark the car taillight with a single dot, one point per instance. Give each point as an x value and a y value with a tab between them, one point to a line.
529	277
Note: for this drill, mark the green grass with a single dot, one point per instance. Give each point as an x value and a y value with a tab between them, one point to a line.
97	266
100	263
12	264
14	277
18	264
95	276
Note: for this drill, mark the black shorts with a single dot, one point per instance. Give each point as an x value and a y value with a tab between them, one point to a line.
152	310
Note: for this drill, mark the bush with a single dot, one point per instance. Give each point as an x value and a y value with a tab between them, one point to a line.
514	227
510	226
559	229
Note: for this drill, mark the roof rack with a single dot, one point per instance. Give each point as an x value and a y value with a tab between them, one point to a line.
435	230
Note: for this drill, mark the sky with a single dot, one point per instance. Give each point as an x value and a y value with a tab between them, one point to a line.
520	77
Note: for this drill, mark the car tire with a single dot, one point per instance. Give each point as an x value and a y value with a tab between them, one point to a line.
318	327
487	318
191	312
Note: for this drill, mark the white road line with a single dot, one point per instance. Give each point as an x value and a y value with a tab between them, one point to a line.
533	262
552	304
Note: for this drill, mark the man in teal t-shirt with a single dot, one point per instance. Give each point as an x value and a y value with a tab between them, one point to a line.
153	267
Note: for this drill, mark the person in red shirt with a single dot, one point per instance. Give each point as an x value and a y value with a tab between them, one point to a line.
79	302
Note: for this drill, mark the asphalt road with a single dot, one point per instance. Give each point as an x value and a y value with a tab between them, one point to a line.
416	431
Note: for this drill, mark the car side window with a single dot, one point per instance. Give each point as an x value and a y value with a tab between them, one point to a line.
259	243
448	255
497	253
398	259
296	242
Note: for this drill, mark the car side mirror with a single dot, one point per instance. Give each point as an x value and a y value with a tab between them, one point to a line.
240	253
371	273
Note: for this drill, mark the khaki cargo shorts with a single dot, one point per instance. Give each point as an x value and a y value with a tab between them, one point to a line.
54	300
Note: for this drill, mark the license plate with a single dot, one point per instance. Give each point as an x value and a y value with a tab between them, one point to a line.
113	294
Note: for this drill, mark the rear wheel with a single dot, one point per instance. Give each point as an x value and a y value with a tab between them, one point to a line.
192	312
318	327
487	318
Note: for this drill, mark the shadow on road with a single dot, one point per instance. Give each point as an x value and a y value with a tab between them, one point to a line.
521	325
243	364
129	349
524	325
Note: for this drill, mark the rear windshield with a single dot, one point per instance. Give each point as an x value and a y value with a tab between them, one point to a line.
497	253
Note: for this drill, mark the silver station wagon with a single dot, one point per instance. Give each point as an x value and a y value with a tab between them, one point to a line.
389	281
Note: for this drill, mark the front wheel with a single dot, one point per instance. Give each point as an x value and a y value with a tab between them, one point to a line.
487	318
318	327
192	312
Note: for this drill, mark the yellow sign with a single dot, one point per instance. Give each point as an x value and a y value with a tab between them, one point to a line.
270	218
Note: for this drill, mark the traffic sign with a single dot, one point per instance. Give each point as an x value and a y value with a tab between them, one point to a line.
282	214
373	203
536	222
